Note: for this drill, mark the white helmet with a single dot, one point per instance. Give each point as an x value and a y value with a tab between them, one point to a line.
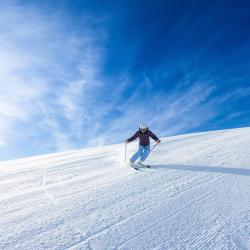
143	127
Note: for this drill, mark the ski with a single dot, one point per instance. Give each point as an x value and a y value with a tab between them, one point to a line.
144	166
138	165
134	166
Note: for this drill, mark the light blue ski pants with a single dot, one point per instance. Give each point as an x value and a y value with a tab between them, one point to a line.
143	152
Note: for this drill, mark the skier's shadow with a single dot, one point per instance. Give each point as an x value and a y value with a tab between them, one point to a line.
222	170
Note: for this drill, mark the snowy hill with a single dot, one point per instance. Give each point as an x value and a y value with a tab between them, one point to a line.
196	196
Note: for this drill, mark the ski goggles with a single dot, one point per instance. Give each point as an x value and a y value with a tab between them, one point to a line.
143	130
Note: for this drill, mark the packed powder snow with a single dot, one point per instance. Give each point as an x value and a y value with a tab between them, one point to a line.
195	196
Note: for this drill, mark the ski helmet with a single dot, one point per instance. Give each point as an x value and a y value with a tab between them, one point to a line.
143	127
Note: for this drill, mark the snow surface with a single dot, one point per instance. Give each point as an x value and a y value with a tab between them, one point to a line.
196	196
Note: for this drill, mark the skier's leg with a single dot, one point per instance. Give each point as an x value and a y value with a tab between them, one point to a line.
145	153
137	154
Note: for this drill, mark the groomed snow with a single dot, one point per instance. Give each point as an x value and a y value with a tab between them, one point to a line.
196	196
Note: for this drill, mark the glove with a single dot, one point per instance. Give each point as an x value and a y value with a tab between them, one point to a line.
159	141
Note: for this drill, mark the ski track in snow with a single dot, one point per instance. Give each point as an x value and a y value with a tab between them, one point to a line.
196	196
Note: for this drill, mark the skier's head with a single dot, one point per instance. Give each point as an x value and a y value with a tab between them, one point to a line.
143	128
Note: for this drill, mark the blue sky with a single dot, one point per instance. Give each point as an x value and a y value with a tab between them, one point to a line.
75	74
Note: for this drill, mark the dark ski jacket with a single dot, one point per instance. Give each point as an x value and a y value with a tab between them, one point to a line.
143	137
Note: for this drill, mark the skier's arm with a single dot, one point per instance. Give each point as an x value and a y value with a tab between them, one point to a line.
133	137
153	136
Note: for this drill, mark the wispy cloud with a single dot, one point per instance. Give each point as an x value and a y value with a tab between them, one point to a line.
167	113
56	95
44	69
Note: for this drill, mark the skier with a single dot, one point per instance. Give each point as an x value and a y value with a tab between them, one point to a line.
144	145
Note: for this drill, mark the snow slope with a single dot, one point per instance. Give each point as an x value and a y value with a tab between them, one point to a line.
195	197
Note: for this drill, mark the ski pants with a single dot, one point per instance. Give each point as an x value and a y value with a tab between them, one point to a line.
143	152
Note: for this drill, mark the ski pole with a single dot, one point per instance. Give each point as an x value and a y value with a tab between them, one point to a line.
125	153
153	147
